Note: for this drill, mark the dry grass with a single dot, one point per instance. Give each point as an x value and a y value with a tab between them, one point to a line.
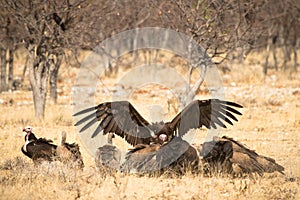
270	125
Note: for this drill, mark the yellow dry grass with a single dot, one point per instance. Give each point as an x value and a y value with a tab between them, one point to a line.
270	124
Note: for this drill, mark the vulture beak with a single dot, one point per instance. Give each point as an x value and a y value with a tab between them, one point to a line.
27	133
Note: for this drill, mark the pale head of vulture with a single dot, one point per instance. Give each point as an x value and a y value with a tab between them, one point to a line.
27	129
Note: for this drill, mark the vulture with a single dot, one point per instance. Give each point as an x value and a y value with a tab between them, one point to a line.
122	119
108	155
176	156
157	145
38	149
226	155
44	150
69	153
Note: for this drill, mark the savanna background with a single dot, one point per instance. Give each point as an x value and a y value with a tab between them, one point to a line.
38	49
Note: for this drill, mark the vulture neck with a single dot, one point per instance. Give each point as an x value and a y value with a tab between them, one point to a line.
63	138
27	141
110	137
30	137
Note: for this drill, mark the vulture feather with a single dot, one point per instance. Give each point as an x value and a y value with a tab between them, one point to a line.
174	156
159	145
122	119
223	155
230	156
44	150
69	153
38	149
108	155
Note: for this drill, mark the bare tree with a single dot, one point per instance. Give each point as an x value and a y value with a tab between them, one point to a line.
10	39
45	39
3	70
4	32
276	28
221	27
53	78
10	68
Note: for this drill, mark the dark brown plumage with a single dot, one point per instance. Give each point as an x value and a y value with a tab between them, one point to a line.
157	146
122	119
38	149
222	155
69	153
230	156
44	150
175	156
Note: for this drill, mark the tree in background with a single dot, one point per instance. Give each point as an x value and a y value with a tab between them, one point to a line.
47	28
278	24
44	38
9	41
219	26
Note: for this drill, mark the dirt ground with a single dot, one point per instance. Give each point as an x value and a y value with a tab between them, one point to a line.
270	125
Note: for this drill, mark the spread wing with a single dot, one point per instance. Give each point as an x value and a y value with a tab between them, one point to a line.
118	117
208	113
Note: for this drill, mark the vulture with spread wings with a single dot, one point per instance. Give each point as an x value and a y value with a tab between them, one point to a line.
122	119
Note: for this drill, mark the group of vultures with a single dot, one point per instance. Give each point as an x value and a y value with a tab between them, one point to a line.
157	147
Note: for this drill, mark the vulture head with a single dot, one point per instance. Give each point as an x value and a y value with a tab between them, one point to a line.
27	129
162	132
29	134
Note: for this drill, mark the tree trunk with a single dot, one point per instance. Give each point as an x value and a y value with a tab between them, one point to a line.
38	76
193	91
10	69
286	54
3	70
54	68
265	69
295	58
24	69
39	98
